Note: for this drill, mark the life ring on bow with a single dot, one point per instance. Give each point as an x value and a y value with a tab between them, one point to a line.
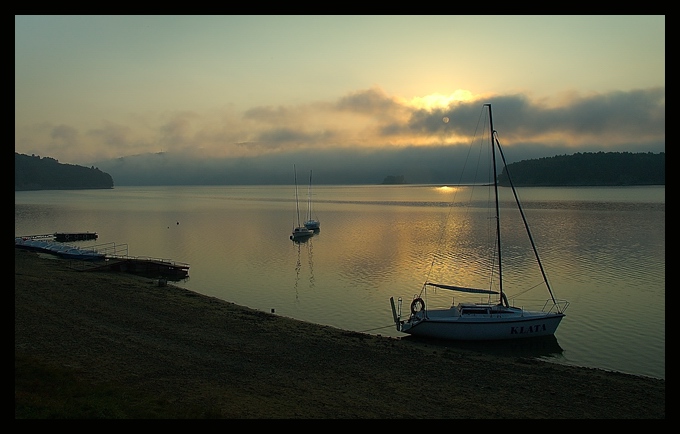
66	237
417	305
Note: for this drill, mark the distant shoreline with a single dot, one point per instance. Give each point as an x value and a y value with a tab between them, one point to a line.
424	165
326	185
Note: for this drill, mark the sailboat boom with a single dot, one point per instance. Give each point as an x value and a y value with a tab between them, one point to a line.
462	288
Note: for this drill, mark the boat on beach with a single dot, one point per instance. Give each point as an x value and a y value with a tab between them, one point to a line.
66	251
493	318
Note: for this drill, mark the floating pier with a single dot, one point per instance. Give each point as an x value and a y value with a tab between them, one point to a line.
102	257
142	266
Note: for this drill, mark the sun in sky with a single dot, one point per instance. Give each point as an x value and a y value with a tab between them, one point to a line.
439	101
232	85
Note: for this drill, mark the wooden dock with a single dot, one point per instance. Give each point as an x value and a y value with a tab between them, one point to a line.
142	266
115	256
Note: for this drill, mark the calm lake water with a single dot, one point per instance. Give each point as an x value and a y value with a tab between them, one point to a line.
603	250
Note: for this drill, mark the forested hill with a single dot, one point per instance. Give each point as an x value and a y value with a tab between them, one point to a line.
589	169
35	173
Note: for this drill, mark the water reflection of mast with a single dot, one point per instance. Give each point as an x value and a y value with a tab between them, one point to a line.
298	266
310	259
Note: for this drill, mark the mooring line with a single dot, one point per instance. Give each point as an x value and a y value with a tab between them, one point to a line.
377	328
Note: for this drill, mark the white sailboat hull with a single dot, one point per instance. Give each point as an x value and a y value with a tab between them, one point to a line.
301	232
439	325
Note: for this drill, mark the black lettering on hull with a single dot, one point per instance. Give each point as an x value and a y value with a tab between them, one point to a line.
527	330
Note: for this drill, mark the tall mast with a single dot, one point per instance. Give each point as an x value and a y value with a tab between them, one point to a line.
309	197
526	225
519	207
498	217
297	205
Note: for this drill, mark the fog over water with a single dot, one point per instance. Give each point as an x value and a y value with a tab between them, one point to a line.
418	165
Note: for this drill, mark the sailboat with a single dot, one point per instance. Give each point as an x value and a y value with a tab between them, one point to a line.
493	317
300	232
311	222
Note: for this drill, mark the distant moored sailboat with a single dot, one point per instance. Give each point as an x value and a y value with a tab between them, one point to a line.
311	222
299	231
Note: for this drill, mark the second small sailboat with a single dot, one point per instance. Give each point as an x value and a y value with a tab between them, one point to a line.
311	222
300	232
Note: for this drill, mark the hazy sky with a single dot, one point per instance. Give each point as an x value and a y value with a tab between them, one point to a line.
88	88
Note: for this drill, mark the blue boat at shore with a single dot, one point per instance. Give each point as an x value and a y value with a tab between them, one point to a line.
62	250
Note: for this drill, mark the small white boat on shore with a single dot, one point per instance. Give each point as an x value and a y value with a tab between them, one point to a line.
493	318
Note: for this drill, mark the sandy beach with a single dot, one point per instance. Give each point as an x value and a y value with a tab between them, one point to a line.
193	350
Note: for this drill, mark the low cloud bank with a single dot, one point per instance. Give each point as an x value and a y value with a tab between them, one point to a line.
418	165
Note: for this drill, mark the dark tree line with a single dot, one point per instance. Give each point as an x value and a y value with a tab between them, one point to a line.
580	169
34	173
394	179
589	169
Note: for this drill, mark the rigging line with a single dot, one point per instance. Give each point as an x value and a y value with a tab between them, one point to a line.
478	140
526	224
377	328
526	290
455	194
